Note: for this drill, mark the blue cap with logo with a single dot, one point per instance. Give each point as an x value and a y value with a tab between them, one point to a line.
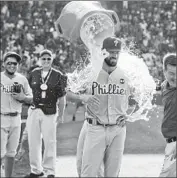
112	43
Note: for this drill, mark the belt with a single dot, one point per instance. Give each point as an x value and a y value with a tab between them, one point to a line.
91	121
10	114
169	140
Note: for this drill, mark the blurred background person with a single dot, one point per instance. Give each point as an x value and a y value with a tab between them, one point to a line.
48	87
15	90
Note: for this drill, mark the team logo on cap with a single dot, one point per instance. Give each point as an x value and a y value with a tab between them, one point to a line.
116	42
122	81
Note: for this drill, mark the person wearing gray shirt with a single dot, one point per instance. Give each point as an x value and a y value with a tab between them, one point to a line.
168	128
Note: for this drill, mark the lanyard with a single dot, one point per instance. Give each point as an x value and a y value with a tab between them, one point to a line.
47	77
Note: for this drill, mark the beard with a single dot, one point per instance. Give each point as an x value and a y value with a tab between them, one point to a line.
111	62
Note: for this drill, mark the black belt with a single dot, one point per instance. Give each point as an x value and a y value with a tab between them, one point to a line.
169	140
91	121
10	114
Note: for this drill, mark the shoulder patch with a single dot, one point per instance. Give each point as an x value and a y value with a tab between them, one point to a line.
122	81
57	71
37	69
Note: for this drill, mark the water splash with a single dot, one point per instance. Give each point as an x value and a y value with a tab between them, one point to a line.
81	80
134	67
141	80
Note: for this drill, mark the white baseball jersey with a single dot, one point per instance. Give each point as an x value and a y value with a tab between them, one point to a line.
8	103
113	91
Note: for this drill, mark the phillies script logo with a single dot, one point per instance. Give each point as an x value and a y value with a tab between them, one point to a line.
6	88
106	89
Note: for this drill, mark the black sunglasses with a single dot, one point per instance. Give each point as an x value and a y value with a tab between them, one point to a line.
12	63
44	59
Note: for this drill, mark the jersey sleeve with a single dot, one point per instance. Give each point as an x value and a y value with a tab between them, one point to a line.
62	85
27	89
29	78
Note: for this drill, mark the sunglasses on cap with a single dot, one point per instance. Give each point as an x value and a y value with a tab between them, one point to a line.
12	63
48	59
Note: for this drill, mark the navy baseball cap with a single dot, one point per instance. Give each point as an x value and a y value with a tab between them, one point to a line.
12	54
112	43
45	51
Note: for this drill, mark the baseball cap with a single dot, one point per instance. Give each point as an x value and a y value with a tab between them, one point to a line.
45	51
112	43
12	54
169	58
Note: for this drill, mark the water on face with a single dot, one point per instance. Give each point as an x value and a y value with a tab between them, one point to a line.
134	67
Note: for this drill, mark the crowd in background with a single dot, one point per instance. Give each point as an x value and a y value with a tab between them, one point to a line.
28	26
152	25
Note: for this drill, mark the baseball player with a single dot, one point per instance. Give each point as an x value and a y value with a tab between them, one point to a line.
14	91
107	103
168	128
80	146
48	86
81	139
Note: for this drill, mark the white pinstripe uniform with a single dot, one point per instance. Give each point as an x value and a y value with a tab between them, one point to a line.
11	125
113	137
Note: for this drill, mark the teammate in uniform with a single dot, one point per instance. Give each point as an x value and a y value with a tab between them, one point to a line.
48	86
169	122
107	104
14	91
